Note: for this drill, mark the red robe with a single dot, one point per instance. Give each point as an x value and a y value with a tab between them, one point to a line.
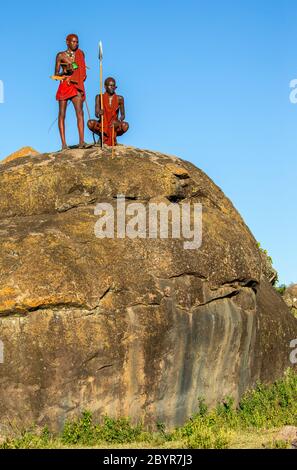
110	115
67	89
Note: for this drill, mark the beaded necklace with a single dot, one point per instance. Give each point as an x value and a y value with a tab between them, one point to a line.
71	55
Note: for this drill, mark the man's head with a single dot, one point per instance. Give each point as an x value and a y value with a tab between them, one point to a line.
110	85
72	41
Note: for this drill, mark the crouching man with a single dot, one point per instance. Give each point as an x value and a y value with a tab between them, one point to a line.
112	115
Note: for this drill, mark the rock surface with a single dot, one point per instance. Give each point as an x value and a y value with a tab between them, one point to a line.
22	152
127	327
287	433
290	297
267	268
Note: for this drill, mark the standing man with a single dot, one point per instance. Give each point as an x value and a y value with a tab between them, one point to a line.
72	63
113	105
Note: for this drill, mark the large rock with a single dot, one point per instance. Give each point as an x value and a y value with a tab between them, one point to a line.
127	327
290	297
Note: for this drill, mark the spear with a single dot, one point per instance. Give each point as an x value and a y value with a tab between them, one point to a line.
101	87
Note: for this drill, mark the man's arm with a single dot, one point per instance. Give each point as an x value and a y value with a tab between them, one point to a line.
122	107
58	64
98	110
84	58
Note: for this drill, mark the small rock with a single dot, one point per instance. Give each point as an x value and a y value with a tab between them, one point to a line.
290	296
23	152
288	433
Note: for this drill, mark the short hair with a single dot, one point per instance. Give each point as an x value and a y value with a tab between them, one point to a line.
108	79
70	36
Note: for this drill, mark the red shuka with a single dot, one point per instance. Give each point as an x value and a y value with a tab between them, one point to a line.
67	89
110	115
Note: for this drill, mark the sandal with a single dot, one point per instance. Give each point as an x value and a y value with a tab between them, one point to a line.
84	145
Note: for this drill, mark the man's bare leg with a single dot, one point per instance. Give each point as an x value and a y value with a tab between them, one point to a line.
78	106
121	127
95	128
61	121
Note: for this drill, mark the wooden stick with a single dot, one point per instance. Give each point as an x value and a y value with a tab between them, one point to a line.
101	103
112	140
62	77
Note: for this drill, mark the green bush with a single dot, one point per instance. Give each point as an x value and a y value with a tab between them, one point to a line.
204	437
265	407
80	430
29	440
265	252
202	433
278	444
271	405
84	431
281	289
119	430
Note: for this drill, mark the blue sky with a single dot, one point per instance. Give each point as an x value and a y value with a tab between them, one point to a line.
207	81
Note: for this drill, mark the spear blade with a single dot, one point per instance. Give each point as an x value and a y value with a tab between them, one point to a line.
100	51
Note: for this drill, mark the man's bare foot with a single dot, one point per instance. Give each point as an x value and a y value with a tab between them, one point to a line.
84	145
65	147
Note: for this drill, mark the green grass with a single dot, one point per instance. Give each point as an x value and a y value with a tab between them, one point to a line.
84	431
281	289
254	423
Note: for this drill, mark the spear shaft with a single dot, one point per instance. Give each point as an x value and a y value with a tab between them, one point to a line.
101	89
